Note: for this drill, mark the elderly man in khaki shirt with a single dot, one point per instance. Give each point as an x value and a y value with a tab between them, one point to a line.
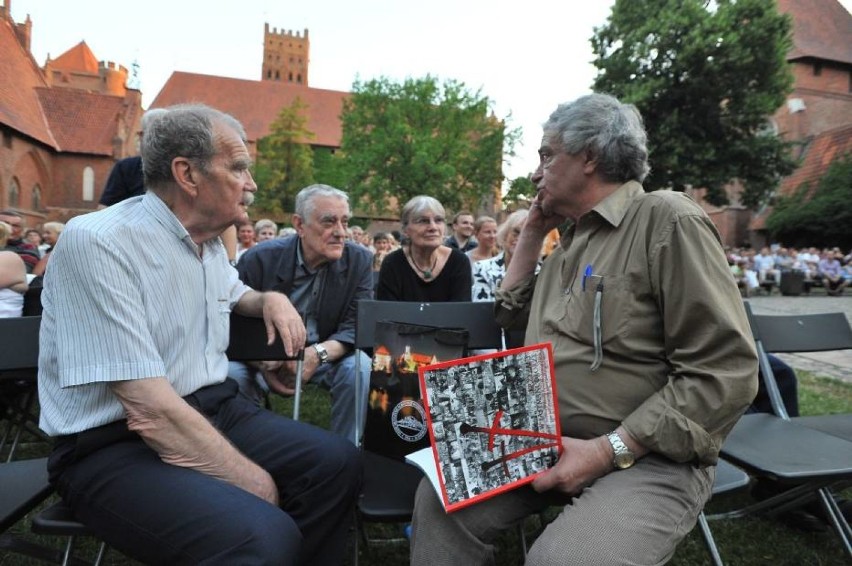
653	355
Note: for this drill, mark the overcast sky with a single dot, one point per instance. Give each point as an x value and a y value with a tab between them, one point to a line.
525	57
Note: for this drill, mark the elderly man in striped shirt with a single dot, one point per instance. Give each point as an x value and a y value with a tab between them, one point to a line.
155	451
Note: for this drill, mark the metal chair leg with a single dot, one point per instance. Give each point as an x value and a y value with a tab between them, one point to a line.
709	540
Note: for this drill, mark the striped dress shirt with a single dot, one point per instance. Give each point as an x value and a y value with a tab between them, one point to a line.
129	295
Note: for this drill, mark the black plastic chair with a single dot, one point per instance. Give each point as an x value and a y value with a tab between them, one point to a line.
796	453
18	363
247	342
23	483
389	485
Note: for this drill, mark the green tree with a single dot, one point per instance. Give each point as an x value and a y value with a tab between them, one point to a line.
420	137
824	219
521	191
706	76
284	160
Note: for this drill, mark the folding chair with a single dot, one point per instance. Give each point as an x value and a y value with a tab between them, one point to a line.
18	363
247	342
389	485
806	459
23	483
729	478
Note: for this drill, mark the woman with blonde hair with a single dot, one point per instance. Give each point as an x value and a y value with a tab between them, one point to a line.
13	277
489	273
424	269
485	232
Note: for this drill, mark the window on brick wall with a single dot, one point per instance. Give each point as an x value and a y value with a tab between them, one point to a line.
817	69
14	194
36	198
88	184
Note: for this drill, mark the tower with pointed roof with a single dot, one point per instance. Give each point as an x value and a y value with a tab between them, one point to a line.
79	68
286	56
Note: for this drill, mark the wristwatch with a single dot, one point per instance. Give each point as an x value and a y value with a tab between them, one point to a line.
622	457
322	353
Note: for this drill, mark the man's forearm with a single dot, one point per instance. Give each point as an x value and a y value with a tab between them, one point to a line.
181	436
525	259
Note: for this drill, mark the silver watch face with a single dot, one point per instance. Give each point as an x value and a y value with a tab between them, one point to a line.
322	353
622	456
624	460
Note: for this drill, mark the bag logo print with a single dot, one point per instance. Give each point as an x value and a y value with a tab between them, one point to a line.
409	428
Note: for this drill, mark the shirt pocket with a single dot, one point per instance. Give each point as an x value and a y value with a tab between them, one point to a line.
616	306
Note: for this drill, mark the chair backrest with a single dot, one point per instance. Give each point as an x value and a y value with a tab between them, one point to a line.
476	318
248	341
794	333
19	346
803	332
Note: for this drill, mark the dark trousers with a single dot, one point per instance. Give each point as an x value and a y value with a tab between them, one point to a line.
163	514
785	377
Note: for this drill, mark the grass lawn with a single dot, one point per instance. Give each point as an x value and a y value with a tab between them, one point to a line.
750	541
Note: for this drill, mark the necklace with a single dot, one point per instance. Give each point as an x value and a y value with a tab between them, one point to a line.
427	273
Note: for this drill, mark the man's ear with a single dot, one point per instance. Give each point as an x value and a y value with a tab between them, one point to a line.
184	174
297	223
590	164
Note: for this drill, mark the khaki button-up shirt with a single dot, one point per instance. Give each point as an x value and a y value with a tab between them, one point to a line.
678	363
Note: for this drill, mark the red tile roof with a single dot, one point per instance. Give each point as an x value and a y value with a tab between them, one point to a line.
821	29
257	103
78	58
19	77
818	156
82	122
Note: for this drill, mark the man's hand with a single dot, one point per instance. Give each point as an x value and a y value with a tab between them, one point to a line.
257	481
541	221
281	376
279	314
581	463
182	436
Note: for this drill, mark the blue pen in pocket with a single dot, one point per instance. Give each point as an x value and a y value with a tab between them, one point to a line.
586	274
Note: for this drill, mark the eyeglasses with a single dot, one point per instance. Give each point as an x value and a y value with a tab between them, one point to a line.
426	221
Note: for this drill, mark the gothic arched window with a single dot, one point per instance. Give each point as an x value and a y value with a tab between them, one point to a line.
88	184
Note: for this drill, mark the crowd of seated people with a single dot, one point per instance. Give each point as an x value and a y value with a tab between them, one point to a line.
764	269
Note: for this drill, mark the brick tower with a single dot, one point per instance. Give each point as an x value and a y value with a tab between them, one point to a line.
285	56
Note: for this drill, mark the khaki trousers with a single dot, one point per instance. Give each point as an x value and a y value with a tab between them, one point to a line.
633	516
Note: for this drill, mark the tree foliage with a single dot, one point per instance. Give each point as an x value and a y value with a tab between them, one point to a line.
521	192
420	137
284	161
706	76
823	220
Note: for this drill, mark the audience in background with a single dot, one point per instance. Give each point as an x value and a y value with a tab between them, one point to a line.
488	274
832	273
462	237
51	232
13	277
245	238
15	242
423	269
383	246
485	233
265	229
33	236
